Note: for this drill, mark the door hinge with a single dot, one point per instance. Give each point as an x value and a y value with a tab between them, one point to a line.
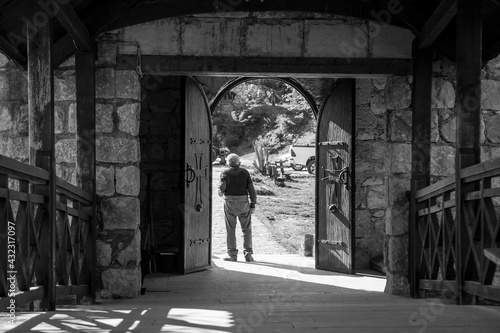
198	241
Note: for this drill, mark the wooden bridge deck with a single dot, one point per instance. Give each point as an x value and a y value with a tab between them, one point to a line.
273	294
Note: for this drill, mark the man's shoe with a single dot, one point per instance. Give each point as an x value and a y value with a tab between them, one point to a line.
231	258
248	257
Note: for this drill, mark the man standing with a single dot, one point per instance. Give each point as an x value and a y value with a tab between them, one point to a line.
236	186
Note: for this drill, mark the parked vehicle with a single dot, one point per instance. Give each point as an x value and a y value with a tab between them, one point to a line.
301	156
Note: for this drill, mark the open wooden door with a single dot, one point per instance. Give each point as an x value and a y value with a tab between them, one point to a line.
197	164
334	180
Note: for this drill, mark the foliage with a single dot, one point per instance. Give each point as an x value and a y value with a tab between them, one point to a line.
264	109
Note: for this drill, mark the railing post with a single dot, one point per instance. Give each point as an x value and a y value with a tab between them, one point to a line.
41	128
421	150
85	146
468	104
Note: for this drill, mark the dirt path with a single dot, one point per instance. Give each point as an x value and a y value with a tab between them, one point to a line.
263	242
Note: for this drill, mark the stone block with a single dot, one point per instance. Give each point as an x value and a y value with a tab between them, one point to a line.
376	197
7	123
122	282
65	88
363	91
379	83
397	285
128	180
65	151
157	37
174	149
157	152
106	53
401	158
443	94
368	123
377	104
335	39
131	252
104	118
277	38
105	180
14	118
448	126
370	157
397	93
397	213
400	126
442	161
388	41
128	118
397	255
105	83
13	85
66	172
59	119
127	85
492	124
120	213
211	37
72	118
17	148
492	69
434	126
117	150
490	95
364	224
162	102
103	252
3	60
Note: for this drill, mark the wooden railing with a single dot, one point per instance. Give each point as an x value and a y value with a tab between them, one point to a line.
449	257
27	247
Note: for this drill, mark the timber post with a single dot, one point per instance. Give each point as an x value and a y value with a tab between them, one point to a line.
420	150
85	143
41	135
468	104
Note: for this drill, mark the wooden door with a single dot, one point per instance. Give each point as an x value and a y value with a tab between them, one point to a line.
197	166
334	180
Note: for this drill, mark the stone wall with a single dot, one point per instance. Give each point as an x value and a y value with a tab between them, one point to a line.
13	110
383	157
269	34
117	171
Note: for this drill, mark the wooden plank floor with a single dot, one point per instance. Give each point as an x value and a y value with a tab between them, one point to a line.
273	294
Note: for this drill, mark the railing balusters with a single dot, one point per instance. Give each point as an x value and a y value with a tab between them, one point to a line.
467	224
33	237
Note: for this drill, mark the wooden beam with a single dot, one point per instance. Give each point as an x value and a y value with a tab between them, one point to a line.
73	25
41	138
267	66
11	51
103	15
468	106
421	150
444	13
85	143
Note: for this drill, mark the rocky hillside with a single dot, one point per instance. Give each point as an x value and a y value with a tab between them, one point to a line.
273	119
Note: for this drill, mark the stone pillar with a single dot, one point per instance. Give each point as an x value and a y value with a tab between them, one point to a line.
118	95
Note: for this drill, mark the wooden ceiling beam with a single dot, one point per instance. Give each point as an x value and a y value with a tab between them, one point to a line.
444	13
158	11
73	25
267	66
98	22
12	52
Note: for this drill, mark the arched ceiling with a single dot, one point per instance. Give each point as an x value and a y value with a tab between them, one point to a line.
76	23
